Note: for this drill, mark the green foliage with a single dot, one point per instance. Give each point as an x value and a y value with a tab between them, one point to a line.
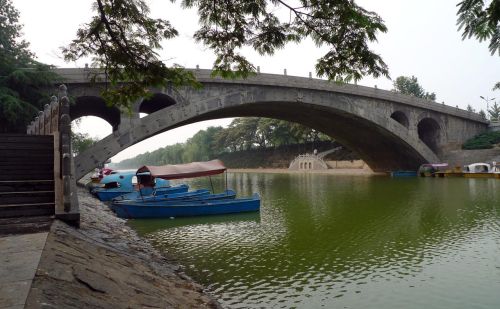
482	114
470	108
480	20
123	39
81	141
202	146
494	111
410	86
243	134
21	77
482	141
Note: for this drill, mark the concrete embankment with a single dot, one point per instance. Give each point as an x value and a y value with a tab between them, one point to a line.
465	157
104	264
353	171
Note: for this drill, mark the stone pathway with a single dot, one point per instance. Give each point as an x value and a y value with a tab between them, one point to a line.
19	258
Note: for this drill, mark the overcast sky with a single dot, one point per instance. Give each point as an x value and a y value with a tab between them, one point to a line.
422	40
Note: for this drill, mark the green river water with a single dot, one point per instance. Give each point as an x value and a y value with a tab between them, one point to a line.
328	241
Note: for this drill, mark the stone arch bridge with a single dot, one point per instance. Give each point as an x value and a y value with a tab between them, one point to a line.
388	130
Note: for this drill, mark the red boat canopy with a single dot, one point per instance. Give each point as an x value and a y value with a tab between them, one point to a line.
189	170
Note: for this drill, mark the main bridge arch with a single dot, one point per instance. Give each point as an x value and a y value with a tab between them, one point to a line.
359	117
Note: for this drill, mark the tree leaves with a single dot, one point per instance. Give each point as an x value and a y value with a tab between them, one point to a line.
123	39
410	86
475	19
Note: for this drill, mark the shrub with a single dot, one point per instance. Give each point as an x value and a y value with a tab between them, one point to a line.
483	141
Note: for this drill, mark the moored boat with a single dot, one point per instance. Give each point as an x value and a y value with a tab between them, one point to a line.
108	195
481	170
201	194
122	182
148	192
430	169
404	174
186	208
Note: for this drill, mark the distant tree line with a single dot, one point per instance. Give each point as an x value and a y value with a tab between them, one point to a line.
241	134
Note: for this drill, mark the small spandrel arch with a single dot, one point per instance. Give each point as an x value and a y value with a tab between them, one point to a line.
95	106
401	117
155	103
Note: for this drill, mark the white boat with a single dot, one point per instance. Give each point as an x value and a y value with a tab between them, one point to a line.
481	170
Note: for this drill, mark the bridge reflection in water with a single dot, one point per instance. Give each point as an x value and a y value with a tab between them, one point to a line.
340	241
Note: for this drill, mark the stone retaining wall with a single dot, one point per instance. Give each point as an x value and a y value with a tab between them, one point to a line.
357	164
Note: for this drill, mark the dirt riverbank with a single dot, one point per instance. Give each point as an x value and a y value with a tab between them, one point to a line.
105	264
353	171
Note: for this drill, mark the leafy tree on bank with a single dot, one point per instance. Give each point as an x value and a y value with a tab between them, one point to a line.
81	141
21	76
410	86
122	38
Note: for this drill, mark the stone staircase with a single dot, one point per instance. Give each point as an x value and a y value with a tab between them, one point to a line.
27	199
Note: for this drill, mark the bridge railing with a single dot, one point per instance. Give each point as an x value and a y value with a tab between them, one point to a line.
55	120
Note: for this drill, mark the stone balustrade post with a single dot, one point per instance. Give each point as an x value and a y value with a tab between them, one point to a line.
29	129
36	126
54	115
47	120
65	131
41	121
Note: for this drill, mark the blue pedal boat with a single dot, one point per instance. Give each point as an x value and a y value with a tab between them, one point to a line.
202	194
109	194
404	174
187	208
122	182
152	192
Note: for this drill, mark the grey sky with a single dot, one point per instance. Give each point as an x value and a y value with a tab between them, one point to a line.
422	40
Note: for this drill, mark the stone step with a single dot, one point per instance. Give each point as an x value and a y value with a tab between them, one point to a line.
22	225
16	168
27	175
26	185
25	153
25	138
27	210
26	197
47	146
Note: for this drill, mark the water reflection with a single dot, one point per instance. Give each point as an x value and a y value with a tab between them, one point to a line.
339	241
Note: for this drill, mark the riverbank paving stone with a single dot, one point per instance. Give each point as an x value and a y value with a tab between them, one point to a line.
19	258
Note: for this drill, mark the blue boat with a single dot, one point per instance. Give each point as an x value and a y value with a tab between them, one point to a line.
148	192
122	182
186	208
109	194
404	174
202	194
